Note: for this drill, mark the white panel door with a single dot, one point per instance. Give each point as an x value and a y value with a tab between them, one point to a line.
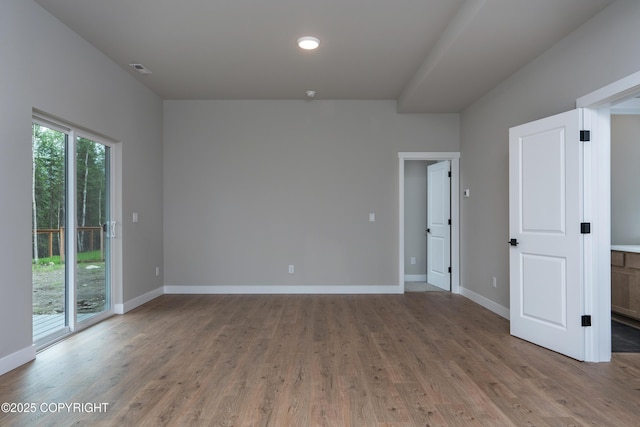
439	225
544	217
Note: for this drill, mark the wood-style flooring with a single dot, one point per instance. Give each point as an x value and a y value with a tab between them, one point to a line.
419	359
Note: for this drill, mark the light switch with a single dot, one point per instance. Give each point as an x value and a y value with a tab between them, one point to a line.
465	192
372	217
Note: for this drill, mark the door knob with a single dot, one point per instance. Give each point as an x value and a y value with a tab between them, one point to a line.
513	242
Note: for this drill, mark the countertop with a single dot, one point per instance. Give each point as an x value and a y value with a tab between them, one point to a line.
626	248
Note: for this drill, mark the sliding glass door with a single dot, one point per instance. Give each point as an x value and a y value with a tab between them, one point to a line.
72	231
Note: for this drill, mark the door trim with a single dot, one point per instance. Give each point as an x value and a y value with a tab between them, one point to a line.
597	194
454	157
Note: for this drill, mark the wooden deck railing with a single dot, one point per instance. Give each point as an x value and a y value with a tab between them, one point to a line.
50	232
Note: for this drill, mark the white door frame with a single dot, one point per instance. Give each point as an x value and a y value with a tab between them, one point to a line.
116	246
454	157
597	199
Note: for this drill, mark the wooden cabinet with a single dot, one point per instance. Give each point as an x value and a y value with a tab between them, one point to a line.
625	283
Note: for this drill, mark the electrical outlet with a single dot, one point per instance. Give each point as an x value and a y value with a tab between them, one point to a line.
291	269
495	283
157	271
413	260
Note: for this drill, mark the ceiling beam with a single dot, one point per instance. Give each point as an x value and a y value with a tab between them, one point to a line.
463	17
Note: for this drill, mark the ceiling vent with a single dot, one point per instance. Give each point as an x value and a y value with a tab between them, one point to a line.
140	68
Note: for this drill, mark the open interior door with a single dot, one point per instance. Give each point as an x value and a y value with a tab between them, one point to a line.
439	225
546	285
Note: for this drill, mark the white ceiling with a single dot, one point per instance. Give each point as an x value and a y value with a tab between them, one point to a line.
430	55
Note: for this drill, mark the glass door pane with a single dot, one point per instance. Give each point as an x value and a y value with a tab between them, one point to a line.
93	229
48	201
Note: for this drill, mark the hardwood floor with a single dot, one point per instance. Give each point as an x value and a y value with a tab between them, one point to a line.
419	359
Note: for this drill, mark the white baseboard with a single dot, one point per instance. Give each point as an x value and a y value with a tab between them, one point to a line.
415	277
19	358
293	290
485	302
138	301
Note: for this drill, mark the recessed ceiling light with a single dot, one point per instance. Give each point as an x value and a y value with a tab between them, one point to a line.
308	42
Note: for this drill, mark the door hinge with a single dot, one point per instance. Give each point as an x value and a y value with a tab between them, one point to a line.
585	228
586	320
449	174
449	269
585	135
449	221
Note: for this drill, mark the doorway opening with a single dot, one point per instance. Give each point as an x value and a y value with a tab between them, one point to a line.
625	229
583	310
416	225
73	230
407	276
598	107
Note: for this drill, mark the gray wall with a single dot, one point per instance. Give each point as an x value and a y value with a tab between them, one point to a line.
253	186
47	66
625	179
602	51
